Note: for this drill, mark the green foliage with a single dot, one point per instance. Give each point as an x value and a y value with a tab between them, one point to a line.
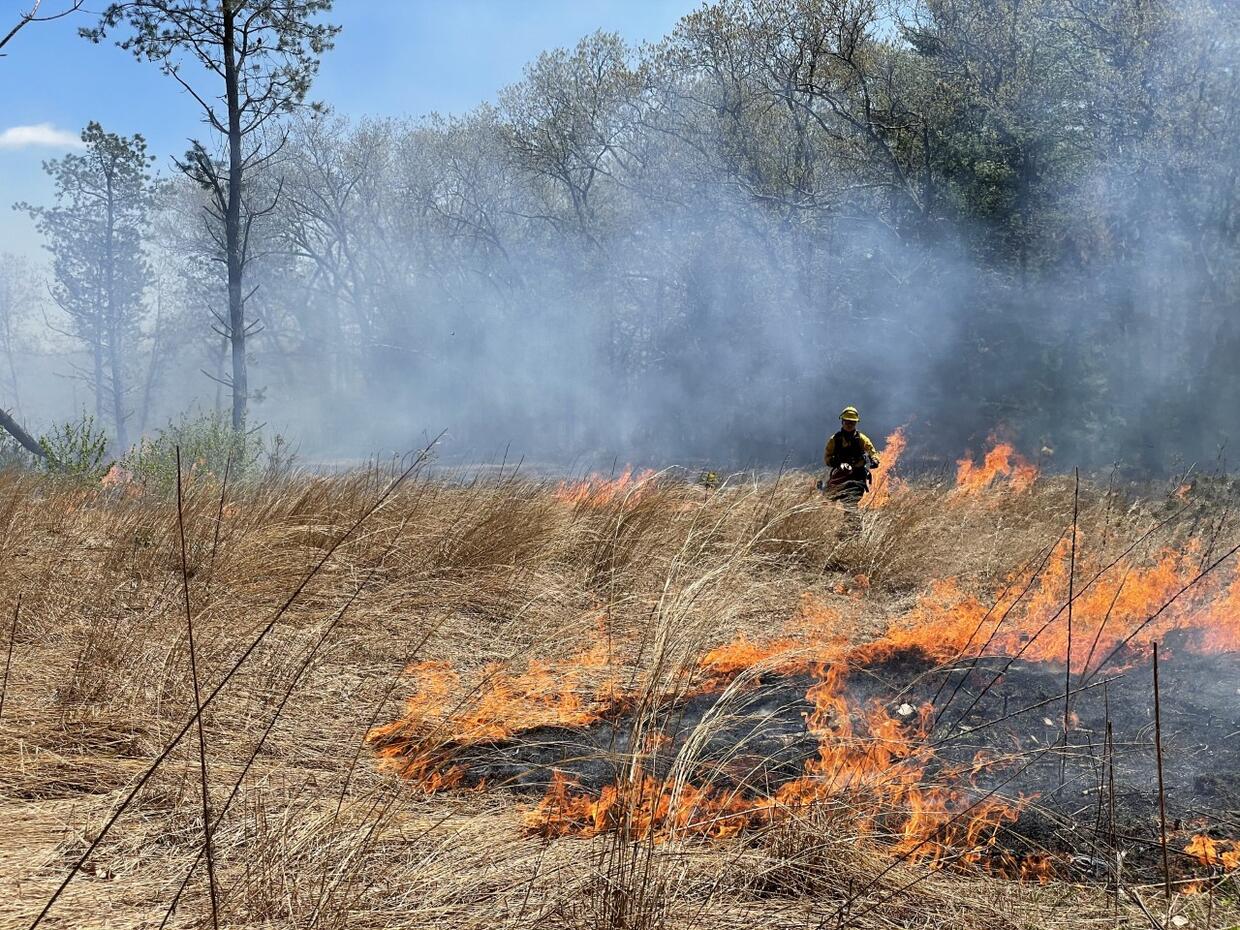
1019	212
77	449
208	446
266	54
95	232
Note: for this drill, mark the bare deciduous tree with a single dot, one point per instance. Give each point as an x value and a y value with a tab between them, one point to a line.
35	15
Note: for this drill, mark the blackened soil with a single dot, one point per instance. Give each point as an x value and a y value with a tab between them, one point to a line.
1085	797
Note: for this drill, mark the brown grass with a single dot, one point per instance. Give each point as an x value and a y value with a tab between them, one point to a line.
474	573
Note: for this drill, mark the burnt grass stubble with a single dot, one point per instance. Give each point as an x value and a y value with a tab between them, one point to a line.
1010	709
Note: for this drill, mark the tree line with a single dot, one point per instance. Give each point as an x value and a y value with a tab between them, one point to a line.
964	215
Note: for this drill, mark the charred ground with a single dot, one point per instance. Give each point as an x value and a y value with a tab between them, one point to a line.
661	603
1078	802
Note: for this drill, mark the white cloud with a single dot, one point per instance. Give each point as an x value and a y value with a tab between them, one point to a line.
21	137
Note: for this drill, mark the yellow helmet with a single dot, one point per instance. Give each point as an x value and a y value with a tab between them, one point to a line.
850	415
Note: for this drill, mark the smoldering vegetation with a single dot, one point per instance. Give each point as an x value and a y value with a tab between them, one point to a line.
962	216
503	584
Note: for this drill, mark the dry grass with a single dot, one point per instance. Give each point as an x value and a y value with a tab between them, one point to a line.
474	573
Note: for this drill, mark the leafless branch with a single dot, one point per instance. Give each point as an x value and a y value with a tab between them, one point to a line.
32	16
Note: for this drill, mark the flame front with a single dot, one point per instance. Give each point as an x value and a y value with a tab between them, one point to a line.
869	759
596	491
874	761
1001	462
868	762
575	693
1127	608
885	483
1215	854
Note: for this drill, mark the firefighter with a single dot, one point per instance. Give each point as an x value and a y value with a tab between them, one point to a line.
849	455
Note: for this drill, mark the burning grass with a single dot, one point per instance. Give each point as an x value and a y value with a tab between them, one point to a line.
347	754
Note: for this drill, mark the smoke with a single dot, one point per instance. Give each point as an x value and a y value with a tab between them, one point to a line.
1019	220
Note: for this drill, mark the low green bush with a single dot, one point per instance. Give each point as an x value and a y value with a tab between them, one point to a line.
76	449
208	445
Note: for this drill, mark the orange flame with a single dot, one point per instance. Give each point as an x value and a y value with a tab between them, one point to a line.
1216	854
575	693
1038	867
596	491
1109	610
873	757
1002	461
866	756
861	750
119	478
885	483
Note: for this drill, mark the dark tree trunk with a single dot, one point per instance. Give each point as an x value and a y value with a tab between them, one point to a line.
153	370
98	359
118	391
14	429
114	326
232	225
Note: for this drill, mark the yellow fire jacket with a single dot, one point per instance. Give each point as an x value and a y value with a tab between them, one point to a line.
839	451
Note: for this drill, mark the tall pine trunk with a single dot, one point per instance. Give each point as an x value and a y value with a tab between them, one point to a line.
98	327
114	324
118	388
232	225
98	352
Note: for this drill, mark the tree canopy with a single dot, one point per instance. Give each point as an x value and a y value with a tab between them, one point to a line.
966	216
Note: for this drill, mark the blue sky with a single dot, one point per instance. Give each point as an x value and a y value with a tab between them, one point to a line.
394	58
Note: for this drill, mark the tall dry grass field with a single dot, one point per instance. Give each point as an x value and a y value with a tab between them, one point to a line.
313	830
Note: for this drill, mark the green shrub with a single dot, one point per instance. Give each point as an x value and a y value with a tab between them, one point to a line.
208	446
77	449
